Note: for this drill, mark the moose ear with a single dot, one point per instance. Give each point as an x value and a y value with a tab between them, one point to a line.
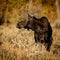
34	18
30	16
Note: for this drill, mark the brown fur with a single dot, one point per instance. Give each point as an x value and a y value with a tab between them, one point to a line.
42	30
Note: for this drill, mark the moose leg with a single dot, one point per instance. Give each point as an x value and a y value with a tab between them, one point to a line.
36	37
48	44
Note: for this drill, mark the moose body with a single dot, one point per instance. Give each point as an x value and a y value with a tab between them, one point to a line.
41	27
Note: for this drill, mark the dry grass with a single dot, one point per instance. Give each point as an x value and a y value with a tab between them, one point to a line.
18	44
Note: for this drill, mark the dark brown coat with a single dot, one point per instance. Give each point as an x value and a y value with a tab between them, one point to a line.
42	29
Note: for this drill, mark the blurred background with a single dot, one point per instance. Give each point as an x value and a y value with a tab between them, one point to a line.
13	10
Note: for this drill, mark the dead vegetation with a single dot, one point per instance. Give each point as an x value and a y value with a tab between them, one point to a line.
19	44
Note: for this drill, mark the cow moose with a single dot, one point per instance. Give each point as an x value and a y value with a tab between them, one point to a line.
41	27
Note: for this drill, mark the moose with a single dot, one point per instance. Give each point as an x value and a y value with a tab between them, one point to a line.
41	27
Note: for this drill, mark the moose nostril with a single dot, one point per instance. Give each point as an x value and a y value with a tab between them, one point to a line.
18	27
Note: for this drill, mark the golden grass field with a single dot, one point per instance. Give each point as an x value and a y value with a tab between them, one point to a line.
19	44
